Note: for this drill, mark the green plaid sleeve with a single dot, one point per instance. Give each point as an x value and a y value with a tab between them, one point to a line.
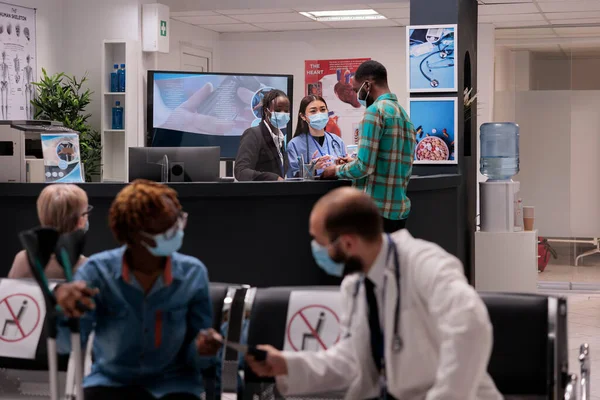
371	129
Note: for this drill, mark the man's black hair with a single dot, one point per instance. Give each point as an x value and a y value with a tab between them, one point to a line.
371	70
269	98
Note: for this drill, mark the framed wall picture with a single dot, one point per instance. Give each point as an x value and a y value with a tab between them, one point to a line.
436	127
430	51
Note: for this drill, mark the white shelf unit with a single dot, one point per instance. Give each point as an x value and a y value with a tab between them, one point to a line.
116	142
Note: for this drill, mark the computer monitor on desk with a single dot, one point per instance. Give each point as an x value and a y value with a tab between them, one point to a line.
175	164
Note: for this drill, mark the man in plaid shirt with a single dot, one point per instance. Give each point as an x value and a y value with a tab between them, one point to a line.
386	147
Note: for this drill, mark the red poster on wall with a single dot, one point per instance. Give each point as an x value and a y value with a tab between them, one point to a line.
331	79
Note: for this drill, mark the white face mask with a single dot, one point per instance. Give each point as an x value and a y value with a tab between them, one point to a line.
362	102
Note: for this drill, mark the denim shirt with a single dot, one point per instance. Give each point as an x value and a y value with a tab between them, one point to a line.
145	340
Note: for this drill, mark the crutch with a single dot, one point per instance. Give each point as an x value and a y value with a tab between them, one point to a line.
39	244
69	248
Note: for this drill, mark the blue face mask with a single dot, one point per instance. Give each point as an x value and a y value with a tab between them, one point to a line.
362	102
280	120
318	121
87	226
165	246
323	260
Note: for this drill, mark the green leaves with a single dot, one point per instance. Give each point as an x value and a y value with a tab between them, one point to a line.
61	97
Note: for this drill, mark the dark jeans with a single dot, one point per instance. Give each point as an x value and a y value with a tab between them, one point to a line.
391	225
130	393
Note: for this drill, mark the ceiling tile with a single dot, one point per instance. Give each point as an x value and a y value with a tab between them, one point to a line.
244	11
495	9
578	31
398	4
292	26
519	24
403	21
511	18
569	6
264	18
579	21
523	32
518	33
394	12
333	7
191	13
207	20
362	24
233	28
573	15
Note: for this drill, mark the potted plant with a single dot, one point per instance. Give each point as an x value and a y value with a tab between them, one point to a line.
544	253
61	98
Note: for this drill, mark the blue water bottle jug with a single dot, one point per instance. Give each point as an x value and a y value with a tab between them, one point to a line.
499	150
117	116
114	79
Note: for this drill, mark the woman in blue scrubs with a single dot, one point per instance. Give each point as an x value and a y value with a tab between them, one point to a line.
311	142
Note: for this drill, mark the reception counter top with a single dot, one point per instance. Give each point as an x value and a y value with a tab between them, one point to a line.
254	233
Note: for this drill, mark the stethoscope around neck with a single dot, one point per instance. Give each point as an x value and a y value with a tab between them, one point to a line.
339	153
397	342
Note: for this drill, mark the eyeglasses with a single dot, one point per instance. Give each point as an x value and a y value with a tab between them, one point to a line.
88	211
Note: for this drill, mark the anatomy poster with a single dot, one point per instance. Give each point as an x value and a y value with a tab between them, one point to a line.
62	161
430	54
436	127
17	62
331	80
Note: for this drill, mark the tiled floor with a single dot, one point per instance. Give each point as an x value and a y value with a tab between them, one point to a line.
569	273
584	327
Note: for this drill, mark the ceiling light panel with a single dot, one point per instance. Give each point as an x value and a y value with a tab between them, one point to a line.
343	15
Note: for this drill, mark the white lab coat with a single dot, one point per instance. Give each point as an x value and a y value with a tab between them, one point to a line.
444	324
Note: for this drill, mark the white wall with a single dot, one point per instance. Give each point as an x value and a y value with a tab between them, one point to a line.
504	71
190	35
285	53
49	26
566	73
86	24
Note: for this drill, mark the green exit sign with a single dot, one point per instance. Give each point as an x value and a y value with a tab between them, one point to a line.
163	28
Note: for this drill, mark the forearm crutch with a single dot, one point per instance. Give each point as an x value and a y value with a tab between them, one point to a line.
69	248
39	244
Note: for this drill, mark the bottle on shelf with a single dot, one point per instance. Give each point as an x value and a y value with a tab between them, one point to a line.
117	116
114	79
122	78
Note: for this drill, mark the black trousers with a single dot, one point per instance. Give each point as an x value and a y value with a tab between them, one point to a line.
391	225
130	393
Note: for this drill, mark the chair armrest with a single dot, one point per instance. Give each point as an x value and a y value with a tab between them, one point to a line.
571	389
585	364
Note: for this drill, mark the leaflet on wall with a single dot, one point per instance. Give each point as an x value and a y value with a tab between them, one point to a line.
436	127
331	79
62	161
17	62
430	53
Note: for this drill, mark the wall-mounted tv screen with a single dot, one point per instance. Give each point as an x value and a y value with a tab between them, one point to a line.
207	109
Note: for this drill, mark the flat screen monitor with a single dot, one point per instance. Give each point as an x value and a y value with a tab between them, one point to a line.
208	109
174	164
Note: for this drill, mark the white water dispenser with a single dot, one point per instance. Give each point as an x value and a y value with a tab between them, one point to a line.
499	162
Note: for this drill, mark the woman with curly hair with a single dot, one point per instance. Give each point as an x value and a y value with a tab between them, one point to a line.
148	303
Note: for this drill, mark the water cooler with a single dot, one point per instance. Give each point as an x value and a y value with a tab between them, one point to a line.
499	162
505	257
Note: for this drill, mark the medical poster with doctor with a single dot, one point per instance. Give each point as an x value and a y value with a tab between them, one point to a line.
430	54
330	79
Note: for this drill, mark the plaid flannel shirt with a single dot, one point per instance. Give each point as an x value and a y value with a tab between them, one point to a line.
386	149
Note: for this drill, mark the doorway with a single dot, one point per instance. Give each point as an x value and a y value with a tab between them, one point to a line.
195	59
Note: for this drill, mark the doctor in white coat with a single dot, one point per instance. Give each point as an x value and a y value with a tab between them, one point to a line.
415	329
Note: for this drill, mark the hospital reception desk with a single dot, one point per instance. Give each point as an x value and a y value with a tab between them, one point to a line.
253	233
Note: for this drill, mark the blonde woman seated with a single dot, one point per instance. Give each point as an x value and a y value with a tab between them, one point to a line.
65	208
